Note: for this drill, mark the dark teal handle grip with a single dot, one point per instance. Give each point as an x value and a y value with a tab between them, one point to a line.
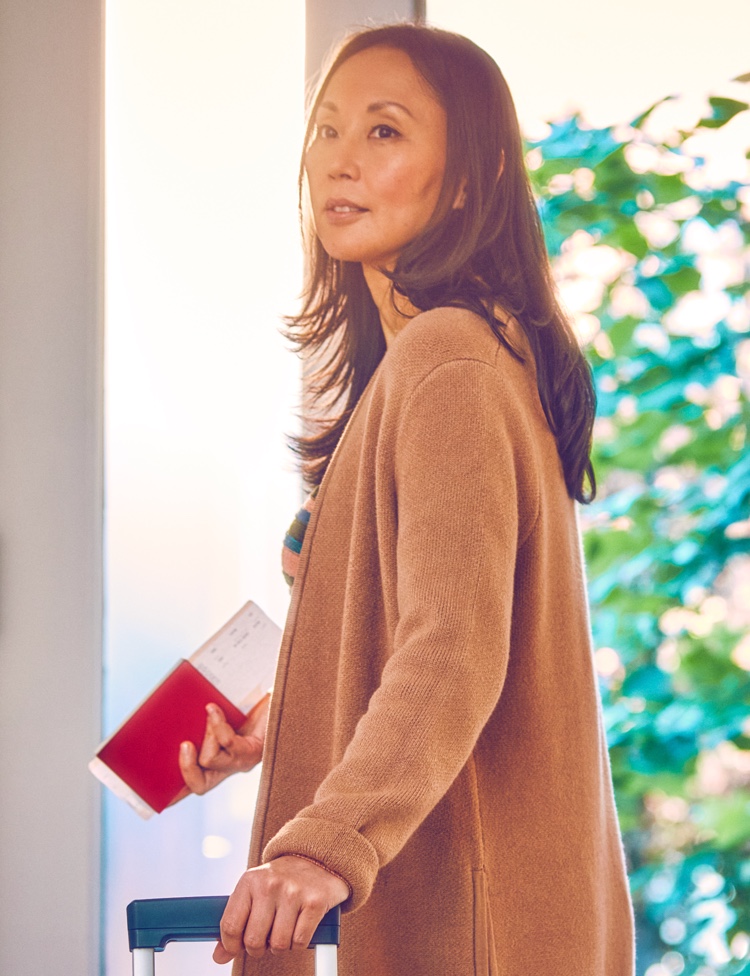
153	922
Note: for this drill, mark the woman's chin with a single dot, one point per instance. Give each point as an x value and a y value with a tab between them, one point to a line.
353	255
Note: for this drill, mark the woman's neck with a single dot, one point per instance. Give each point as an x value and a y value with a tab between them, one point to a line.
395	310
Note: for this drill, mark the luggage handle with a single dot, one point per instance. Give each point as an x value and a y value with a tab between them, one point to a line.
153	922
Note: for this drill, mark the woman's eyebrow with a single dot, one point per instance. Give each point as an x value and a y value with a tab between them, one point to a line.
379	106
374	107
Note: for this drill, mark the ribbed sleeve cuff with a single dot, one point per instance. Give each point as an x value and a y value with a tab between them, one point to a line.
345	851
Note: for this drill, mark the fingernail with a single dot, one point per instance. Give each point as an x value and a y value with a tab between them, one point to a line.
185	748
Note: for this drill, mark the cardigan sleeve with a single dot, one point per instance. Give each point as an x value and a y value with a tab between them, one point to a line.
456	461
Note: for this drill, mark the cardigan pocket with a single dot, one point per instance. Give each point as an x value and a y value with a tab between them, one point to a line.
485	960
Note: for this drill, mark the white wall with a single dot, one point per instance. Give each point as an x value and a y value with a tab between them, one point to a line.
50	483
610	60
329	20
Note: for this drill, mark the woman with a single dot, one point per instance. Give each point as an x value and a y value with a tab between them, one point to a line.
434	757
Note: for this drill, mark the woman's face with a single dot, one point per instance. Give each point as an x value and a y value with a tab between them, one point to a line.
376	161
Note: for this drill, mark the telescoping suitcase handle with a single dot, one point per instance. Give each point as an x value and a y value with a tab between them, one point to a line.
153	922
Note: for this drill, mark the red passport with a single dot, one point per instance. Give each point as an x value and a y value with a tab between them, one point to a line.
139	761
143	752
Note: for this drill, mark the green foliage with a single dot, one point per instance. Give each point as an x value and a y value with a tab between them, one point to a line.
651	259
722	110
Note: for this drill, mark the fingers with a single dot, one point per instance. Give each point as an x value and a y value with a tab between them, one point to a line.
259	927
214	736
218	728
257	720
220	739
257	723
268	930
222	753
275	907
307	921
194	776
221	747
234	920
221	955
226	751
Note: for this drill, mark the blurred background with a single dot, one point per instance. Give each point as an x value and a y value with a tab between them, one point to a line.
183	379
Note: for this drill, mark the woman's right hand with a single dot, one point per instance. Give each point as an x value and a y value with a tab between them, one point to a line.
223	751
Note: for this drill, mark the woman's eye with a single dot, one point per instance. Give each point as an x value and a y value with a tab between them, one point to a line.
384	132
325	132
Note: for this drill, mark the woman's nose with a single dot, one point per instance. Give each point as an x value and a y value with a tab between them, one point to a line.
344	163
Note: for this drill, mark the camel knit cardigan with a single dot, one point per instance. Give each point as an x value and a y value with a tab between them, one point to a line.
435	734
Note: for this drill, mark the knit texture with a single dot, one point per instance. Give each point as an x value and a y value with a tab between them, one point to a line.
435	733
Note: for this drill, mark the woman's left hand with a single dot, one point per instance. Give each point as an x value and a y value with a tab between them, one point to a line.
277	906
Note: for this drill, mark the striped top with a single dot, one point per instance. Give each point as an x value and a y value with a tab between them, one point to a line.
294	538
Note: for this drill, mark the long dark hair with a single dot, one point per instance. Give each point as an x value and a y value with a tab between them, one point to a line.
489	252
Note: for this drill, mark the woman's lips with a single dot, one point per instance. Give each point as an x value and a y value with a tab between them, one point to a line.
343	211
